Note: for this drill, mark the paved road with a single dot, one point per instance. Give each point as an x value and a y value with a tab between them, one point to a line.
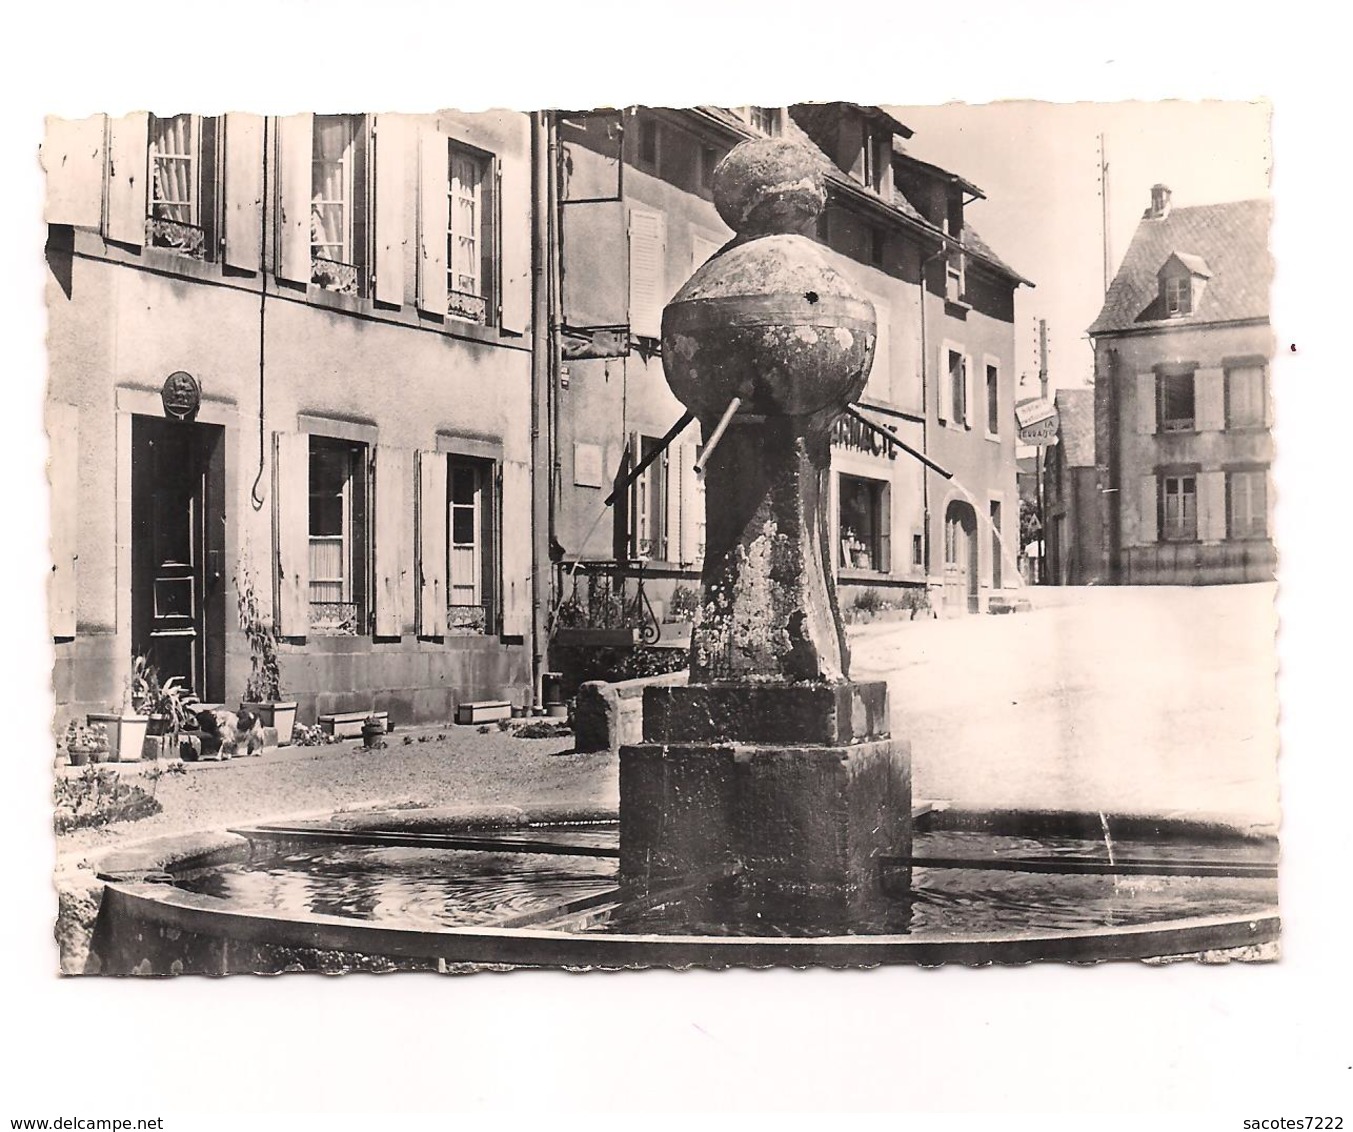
1152	700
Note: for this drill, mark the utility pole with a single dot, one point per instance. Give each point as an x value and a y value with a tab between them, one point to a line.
1039	455
1104	208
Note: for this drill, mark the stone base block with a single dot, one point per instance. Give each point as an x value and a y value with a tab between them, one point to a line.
796	819
829	715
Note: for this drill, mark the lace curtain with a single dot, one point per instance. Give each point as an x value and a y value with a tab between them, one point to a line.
172	181
329	204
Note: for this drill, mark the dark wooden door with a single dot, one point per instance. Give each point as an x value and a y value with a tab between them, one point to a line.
178	615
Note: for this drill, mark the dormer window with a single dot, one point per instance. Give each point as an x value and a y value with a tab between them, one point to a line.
763	119
1182	279
1178	296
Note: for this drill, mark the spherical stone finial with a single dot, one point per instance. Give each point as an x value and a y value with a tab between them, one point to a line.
769	186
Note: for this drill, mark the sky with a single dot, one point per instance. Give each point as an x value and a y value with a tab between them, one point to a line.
1039	165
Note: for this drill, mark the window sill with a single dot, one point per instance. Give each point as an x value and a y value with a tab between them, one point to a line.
860	574
957	308
996	436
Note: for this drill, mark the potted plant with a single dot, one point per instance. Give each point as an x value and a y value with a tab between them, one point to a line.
126	727
372	729
169	708
263	689
85	743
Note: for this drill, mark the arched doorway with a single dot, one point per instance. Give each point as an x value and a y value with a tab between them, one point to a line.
960	558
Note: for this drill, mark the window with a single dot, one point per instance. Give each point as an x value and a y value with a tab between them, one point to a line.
338	524
1247	504
469	235
1179	508
993	401
650	504
709	158
917	550
958	387
470	569
1178	296
763	119
955	270
176	219
876	246
334	213
1174	402
648	142
1246	396
863	523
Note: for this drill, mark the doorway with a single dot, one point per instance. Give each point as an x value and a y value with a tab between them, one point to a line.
960	558
178	551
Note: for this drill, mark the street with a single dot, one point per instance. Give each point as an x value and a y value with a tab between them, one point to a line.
1156	700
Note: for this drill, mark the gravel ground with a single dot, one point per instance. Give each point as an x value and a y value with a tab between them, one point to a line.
459	765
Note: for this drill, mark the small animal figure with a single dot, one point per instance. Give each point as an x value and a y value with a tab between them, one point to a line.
226	735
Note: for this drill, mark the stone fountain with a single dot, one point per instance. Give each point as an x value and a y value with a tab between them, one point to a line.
771	761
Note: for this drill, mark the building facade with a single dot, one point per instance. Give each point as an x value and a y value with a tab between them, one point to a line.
1183	412
292	356
637	219
1071	493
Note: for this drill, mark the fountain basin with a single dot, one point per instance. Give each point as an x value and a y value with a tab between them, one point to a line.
354	895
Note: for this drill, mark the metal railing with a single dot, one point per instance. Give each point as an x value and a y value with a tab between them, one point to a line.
467	619
174	235
334	618
607	595
333	275
465	304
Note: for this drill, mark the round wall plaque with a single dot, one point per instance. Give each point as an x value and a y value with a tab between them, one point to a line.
181	395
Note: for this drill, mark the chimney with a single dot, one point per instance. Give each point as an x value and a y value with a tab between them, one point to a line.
1160	203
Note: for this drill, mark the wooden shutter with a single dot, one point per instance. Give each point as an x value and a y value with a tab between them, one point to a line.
702	250
73	158
63	473
243	208
1147	502
291	532
128	157
1146	404
393	544
1212	506
634	518
647	292
885	562
512	227
1266	396
671	497
431	544
1209	392
434	179
969	401
295	154
389	211
881	374
944	392
516	550
692	503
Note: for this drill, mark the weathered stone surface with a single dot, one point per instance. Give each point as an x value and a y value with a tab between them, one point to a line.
778	714
596	715
769	185
792	818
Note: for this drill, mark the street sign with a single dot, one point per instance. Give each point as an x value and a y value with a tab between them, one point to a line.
1034	410
1040	433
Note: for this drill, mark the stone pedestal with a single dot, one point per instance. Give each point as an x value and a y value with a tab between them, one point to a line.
798	789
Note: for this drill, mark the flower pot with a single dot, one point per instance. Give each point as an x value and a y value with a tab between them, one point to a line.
281	715
372	731
78	758
126	733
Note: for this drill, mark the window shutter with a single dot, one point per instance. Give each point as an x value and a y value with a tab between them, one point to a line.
1212	506
671	526
880	374
1210	398
516	550
393	544
431	544
209	186
243	211
634	520
969	402
886	528
702	250
434	182
295	154
1147	502
692	503
946	389
1146	404
389	210
1266	396
128	162
73	157
63	473
512	226
291	532
647	295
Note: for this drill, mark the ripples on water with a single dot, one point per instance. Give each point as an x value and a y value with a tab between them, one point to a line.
435	888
